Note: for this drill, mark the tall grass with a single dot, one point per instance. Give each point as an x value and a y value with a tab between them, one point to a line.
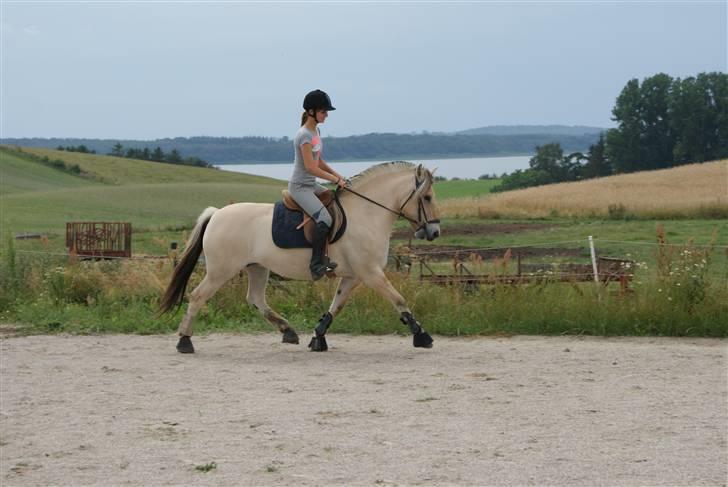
691	191
678	298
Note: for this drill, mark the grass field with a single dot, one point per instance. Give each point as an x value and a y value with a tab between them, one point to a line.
678	290
18	176
152	196
465	188
695	190
122	171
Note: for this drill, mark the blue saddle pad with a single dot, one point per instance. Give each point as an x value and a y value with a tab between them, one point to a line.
285	222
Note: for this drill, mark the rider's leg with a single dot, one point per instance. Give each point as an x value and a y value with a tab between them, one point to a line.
310	203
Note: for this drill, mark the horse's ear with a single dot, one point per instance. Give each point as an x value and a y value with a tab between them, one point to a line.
420	172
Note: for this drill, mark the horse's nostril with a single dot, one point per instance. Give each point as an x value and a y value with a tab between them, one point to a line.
436	234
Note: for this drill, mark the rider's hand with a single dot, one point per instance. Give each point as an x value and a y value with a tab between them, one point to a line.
341	182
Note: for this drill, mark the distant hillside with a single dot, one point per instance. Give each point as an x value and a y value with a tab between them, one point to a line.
123	171
40	196
534	129
20	175
374	146
690	191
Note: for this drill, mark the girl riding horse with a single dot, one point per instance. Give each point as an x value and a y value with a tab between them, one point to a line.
307	166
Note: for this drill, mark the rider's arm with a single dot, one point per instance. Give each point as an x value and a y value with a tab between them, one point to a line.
313	167
329	169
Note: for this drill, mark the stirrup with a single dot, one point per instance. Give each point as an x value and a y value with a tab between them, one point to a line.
322	269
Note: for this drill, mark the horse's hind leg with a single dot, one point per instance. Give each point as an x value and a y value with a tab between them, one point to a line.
204	291
257	281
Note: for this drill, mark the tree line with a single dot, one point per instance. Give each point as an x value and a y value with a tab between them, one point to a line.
81	148
662	122
158	155
144	154
373	146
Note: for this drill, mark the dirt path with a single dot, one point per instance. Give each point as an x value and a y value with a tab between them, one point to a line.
116	410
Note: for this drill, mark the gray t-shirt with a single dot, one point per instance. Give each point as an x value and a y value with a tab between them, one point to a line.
301	178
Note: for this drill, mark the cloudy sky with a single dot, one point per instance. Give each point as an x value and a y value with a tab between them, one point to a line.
165	69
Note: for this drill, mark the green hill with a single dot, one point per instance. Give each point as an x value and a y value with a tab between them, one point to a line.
119	170
18	175
36	197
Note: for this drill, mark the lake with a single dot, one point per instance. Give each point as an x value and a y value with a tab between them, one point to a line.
465	168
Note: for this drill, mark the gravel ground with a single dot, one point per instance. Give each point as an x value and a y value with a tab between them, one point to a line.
249	410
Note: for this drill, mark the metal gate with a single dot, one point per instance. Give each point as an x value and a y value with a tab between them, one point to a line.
99	239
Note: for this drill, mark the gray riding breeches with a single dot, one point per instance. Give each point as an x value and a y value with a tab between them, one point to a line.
307	199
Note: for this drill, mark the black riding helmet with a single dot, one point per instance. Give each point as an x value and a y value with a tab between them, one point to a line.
317	100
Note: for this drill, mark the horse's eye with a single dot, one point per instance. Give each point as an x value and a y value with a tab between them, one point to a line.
428	198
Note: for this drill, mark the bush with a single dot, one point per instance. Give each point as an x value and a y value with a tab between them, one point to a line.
523	179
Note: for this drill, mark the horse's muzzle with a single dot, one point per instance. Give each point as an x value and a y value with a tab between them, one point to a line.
430	231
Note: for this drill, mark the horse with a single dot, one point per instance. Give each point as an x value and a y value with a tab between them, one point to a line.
239	236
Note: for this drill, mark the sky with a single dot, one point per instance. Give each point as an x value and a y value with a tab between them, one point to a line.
147	70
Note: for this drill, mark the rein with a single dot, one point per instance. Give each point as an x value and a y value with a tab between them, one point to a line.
398	213
420	206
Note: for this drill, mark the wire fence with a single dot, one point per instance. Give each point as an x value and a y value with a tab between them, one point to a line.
448	251
574	249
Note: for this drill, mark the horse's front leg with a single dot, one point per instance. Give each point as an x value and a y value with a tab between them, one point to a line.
379	282
343	291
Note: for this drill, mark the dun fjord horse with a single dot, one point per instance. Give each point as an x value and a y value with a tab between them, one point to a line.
239	236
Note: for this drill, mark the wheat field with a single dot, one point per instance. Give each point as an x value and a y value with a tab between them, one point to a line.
695	190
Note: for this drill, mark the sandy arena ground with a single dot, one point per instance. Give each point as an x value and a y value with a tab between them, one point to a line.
130	410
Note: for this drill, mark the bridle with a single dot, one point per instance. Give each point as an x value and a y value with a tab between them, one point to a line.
422	219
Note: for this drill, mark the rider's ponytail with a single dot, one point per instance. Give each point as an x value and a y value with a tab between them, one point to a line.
304	117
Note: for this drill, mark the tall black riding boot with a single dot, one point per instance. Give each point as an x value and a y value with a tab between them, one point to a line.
320	264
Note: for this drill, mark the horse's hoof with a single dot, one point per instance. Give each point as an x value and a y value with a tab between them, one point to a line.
290	336
184	345
422	340
318	344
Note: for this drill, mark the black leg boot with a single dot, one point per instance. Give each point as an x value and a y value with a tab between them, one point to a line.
320	264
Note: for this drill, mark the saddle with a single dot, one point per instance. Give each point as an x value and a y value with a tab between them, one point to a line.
293	228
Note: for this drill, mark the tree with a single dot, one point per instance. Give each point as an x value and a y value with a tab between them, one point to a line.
174	157
158	155
571	166
623	143
132	153
700	118
597	164
666	122
117	150
560	168
548	159
523	179
656	136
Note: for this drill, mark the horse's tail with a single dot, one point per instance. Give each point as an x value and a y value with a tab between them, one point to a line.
176	290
